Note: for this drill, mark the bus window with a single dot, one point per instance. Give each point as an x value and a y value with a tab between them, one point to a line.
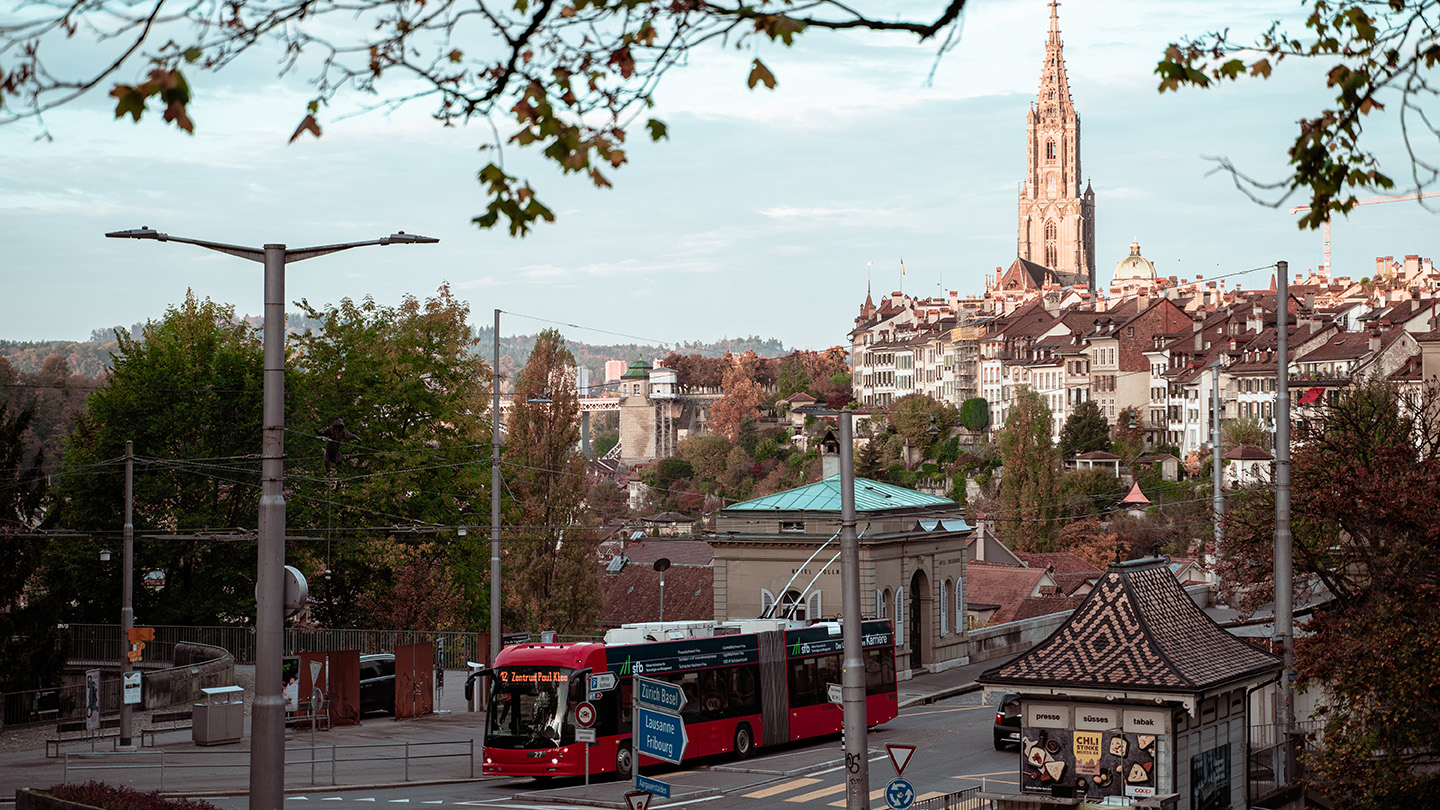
879	672
528	707
809	677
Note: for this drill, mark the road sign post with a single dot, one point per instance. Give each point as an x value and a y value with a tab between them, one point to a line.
900	754
900	794
658	730
653	786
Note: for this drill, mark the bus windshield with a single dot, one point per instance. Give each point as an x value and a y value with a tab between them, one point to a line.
528	706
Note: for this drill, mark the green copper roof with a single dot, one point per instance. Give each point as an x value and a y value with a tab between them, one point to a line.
824	496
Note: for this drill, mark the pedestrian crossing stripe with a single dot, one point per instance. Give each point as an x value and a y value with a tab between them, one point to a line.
874	794
784	787
816	794
399	801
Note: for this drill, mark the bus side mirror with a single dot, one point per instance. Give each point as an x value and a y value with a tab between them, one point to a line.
470	682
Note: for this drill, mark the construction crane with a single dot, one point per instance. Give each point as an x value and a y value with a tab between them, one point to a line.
1325	227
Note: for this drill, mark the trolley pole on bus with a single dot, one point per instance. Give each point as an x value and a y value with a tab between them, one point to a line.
852	681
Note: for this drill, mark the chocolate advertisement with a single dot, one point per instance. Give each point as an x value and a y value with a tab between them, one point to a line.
1063	762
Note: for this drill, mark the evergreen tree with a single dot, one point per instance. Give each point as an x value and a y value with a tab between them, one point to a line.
1085	431
1028	486
552	581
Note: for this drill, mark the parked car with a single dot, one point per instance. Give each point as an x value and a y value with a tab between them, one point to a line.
377	683
1007	722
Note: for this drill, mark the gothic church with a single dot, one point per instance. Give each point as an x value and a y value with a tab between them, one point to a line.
1056	239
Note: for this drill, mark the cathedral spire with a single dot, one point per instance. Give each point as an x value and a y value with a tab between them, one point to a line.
1055	22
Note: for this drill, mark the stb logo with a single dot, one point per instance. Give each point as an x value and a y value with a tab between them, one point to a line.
639	668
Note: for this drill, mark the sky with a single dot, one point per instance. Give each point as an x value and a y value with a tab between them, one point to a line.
766	212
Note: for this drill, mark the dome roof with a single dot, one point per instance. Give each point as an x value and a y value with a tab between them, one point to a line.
1134	266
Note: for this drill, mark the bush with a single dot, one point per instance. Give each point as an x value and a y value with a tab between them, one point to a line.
114	797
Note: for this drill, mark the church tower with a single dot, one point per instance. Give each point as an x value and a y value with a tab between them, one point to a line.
1057	219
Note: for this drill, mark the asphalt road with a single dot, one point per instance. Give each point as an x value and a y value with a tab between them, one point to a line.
954	750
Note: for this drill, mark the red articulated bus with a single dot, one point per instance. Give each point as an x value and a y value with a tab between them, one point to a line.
743	690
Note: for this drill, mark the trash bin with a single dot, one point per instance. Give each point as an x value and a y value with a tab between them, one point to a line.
220	718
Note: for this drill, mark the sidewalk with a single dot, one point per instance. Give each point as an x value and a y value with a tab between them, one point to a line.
374	754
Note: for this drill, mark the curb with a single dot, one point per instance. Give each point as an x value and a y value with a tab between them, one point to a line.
940	694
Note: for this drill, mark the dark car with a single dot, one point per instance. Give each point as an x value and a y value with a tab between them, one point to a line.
377	683
1007	722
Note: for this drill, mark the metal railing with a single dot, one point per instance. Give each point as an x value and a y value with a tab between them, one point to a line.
340	760
960	800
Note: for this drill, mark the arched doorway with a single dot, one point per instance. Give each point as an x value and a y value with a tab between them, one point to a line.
919	618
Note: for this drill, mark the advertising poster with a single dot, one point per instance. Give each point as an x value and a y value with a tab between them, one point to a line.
1210	779
92	699
1086	763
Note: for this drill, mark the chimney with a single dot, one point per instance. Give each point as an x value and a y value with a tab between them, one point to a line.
1374	340
1412	265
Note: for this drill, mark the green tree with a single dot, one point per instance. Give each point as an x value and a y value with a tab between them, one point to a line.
1243	430
552	581
29	615
188	394
975	414
608	501
1373	55
868	462
1129	435
1366	488
414	397
1028	487
915	416
564	79
1085	431
707	454
1086	493
792	377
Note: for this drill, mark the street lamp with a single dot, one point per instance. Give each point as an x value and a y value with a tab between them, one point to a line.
267	749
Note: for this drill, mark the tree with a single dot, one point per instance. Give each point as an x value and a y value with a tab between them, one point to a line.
1085	431
744	395
414	398
1028	493
608	501
1366	487
553	580
868	462
1373	55
792	377
707	453
29	615
1242	430
914	416
562	78
975	414
188	393
1129	434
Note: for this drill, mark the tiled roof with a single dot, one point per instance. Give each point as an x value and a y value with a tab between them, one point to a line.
824	496
1137	630
1033	606
633	595
1248	452
645	552
1005	586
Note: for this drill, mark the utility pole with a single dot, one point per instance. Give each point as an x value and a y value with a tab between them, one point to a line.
852	678
127	594
495	499
1284	561
267	712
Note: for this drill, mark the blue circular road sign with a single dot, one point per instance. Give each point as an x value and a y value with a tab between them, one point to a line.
899	794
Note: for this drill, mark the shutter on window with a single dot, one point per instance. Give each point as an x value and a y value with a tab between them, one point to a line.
767	602
813	608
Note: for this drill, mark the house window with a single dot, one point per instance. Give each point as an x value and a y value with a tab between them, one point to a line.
792	526
1049	150
945	607
791	606
899	616
767	603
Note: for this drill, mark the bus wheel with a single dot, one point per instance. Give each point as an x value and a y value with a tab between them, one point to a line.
624	761
744	741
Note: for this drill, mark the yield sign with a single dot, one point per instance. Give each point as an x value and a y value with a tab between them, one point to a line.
637	800
899	756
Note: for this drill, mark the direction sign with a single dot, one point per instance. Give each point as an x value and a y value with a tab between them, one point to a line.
585	715
899	794
899	756
652	786
637	800
659	694
835	693
603	682
662	735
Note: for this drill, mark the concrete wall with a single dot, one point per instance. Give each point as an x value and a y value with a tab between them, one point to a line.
197	666
1003	640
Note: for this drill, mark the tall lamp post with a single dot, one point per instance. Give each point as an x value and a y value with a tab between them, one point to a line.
267	731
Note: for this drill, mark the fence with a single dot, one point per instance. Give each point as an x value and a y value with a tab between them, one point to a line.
1267	757
966	799
328	764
